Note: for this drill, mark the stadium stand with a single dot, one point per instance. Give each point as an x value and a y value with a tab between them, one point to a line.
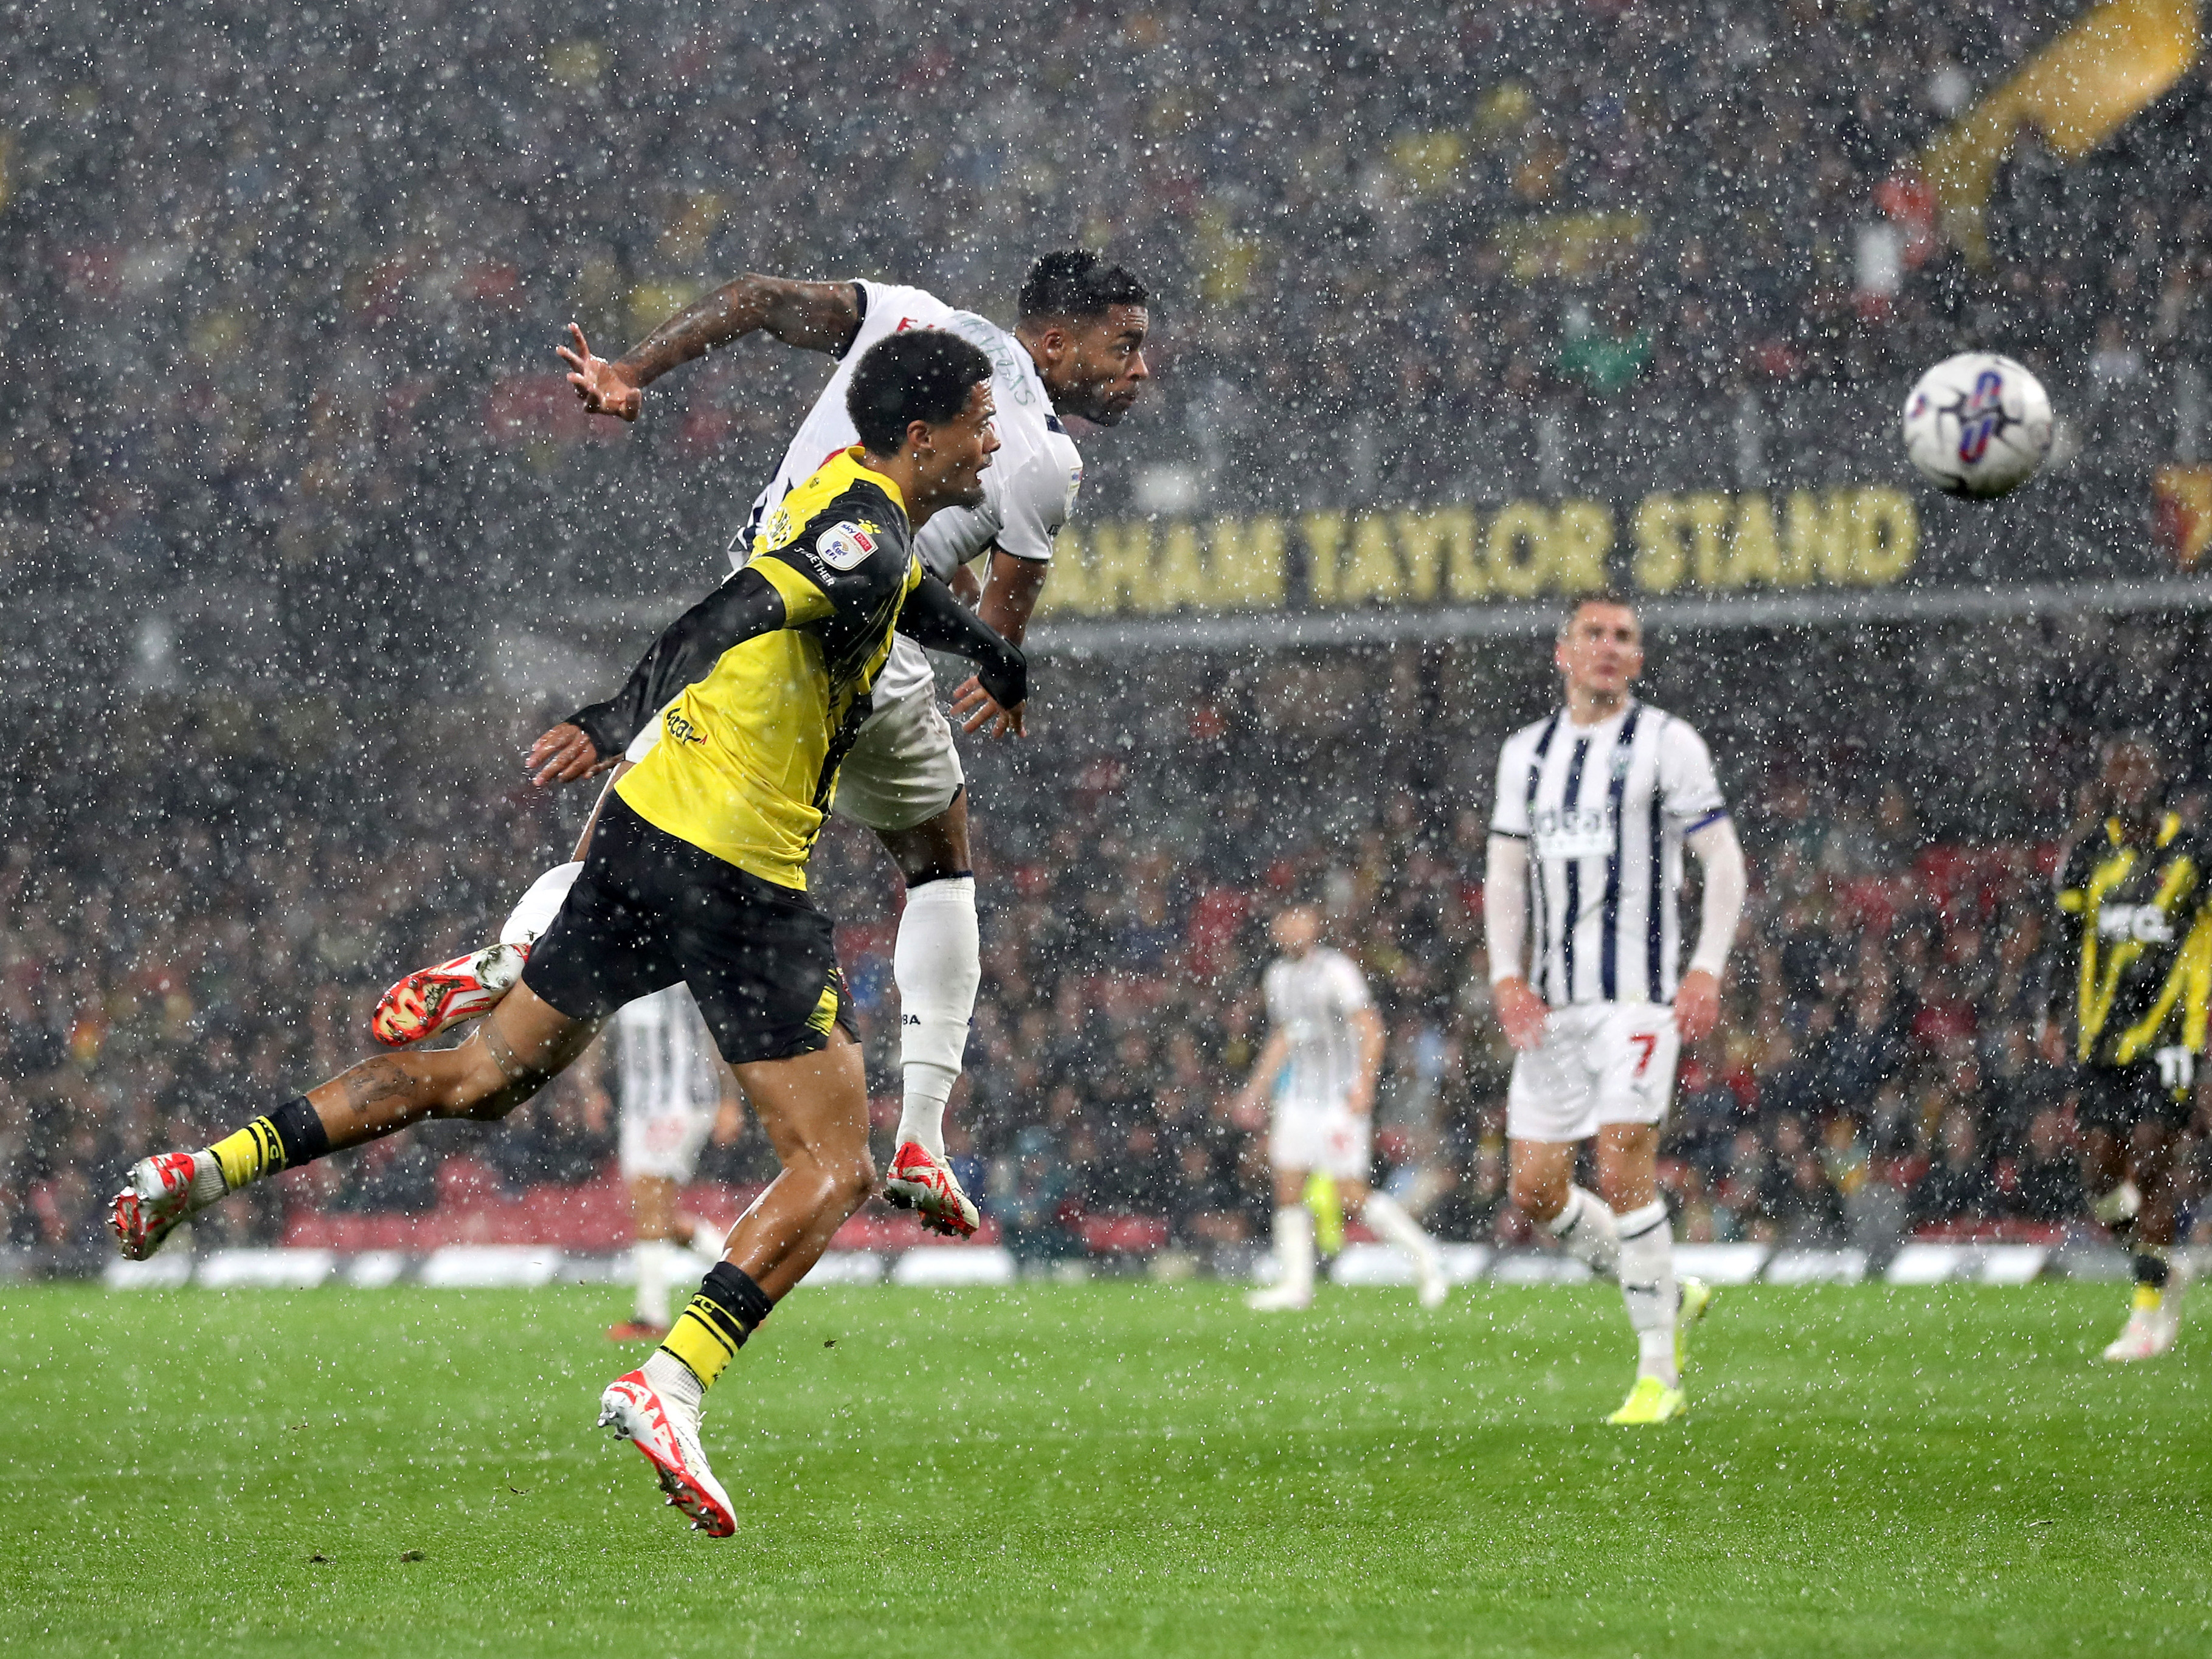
288	471
1878	1072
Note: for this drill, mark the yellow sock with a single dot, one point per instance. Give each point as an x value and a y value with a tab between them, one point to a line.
1327	1204
2148	1297
252	1153
705	1338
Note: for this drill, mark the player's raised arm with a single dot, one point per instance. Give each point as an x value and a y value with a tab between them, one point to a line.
817	316
593	738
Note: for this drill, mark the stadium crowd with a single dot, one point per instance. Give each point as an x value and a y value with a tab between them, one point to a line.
298	448
1878	1070
292	320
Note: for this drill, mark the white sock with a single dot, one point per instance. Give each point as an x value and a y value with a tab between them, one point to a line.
1647	1285
2118	1205
1294	1248
706	1242
938	964
675	1381
1586	1228
208	1184
655	1262
540	904
1388	1218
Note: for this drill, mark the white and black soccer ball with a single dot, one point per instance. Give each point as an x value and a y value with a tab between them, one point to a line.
1977	424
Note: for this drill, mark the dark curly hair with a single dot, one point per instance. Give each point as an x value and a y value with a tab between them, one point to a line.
917	375
1076	283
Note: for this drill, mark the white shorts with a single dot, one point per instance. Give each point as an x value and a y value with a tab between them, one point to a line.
1334	1140
1599	1063
903	769
664	1143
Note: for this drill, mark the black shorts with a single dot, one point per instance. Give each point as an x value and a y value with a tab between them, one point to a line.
650	909
2118	1098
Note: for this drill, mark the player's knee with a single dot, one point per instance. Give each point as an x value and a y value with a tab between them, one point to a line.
484	1089
1537	1196
855	1181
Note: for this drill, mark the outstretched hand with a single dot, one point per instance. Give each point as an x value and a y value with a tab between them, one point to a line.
976	709
603	387
563	755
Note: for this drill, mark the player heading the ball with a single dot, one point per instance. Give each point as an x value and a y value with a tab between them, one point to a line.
697	873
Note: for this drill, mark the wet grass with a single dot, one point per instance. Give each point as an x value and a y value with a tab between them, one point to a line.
1118	1469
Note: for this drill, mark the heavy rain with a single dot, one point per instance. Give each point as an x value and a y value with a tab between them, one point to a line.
1460	326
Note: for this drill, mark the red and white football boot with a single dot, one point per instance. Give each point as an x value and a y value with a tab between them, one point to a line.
154	1202
927	1186
668	1435
429	999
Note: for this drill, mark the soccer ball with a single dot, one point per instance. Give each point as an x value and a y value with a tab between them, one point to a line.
1977	424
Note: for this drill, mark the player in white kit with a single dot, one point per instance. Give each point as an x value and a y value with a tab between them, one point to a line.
1076	347
672	1092
1596	803
1318	1072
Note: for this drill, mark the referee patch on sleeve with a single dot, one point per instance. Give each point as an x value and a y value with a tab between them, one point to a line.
844	546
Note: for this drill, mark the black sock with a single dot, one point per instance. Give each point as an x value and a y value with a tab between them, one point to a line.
299	1132
732	1290
2150	1270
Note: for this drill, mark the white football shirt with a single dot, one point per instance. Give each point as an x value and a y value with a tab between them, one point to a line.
1310	1000
1028	489
664	1058
1604	809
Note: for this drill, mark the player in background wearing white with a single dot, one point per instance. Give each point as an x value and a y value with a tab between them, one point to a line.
672	1092
1076	347
1598	801
1318	1069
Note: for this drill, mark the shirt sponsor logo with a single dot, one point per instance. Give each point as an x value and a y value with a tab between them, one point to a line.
2145	924
845	546
681	729
1586	832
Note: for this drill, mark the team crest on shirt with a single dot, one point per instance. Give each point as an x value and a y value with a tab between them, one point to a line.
845	546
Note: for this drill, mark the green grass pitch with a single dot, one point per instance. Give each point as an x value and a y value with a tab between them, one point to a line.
1114	1470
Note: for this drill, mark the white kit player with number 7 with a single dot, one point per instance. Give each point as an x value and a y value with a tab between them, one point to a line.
1596	803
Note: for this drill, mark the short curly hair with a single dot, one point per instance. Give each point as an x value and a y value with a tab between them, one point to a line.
916	374
1076	283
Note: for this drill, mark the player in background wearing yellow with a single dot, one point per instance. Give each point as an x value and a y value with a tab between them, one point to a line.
1316	1076
697	873
2136	901
1594	807
1077	348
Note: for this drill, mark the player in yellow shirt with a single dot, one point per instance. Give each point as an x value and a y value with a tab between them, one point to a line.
698	873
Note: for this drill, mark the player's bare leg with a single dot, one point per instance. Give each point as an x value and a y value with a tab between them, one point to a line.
513	1054
1294	1248
937	966
814	1108
1627	1236
2134	1188
434	999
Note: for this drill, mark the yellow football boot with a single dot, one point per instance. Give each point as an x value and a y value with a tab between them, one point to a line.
1651	1401
1697	1297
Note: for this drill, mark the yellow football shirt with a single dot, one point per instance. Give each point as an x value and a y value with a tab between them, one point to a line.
747	762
